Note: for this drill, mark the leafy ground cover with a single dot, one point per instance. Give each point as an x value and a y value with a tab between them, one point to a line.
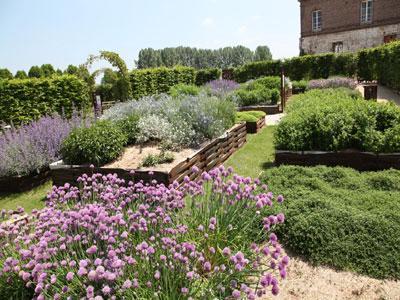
249	116
340	217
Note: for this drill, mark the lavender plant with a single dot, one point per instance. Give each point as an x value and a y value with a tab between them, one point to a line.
222	88
334	82
113	239
34	146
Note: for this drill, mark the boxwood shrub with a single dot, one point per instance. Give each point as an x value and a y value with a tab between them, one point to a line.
99	144
340	217
337	119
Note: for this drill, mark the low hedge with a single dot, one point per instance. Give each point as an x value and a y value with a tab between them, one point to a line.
99	144
256	70
146	82
340	217
337	119
22	100
204	76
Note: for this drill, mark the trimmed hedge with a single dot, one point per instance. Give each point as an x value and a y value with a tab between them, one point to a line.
264	91
340	217
382	64
338	119
206	75
159	80
257	69
22	100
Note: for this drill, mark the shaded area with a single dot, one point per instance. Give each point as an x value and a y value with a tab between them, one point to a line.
33	199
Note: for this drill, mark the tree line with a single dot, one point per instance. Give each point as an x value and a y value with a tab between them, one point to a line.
223	58
43	71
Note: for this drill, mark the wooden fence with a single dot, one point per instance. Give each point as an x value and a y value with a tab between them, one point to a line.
211	155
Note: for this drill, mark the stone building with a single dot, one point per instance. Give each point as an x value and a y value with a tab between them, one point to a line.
347	25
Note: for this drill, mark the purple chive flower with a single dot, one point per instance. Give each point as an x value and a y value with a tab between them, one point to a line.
69	276
236	294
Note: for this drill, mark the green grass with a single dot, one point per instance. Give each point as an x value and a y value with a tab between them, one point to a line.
340	217
33	199
256	155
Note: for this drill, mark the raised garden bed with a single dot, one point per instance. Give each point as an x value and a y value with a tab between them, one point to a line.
254	127
362	161
16	184
209	156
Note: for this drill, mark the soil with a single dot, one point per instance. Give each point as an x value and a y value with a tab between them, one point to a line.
319	283
134	155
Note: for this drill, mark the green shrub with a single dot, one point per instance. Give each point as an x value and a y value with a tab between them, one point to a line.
159	80
22	100
269	82
340	217
299	85
257	96
99	144
152	160
204	76
334	119
249	116
184	90
129	126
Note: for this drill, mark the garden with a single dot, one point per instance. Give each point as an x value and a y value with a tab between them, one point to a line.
111	229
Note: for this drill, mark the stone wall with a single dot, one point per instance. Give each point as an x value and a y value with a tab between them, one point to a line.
353	40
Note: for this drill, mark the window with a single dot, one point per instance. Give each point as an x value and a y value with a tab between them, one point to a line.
366	11
316	20
337	47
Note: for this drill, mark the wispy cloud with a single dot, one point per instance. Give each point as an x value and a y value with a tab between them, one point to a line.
242	29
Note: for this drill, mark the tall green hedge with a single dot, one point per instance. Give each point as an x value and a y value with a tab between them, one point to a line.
381	63
206	75
22	100
159	80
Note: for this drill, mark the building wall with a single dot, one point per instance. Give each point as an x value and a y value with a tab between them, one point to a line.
341	15
353	40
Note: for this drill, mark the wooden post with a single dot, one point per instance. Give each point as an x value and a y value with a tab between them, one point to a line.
283	92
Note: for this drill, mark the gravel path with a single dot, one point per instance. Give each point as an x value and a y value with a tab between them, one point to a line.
273	119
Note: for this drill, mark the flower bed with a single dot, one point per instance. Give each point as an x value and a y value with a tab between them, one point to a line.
212	154
27	151
113	239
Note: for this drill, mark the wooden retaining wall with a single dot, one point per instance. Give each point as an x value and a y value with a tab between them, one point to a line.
17	184
362	161
254	127
211	155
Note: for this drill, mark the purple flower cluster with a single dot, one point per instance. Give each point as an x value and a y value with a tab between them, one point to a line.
334	82
112	239
32	147
222	87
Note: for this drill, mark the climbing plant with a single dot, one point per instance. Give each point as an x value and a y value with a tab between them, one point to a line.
122	83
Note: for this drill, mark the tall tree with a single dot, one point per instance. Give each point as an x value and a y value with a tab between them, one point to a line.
262	53
21	74
5	74
35	72
47	70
